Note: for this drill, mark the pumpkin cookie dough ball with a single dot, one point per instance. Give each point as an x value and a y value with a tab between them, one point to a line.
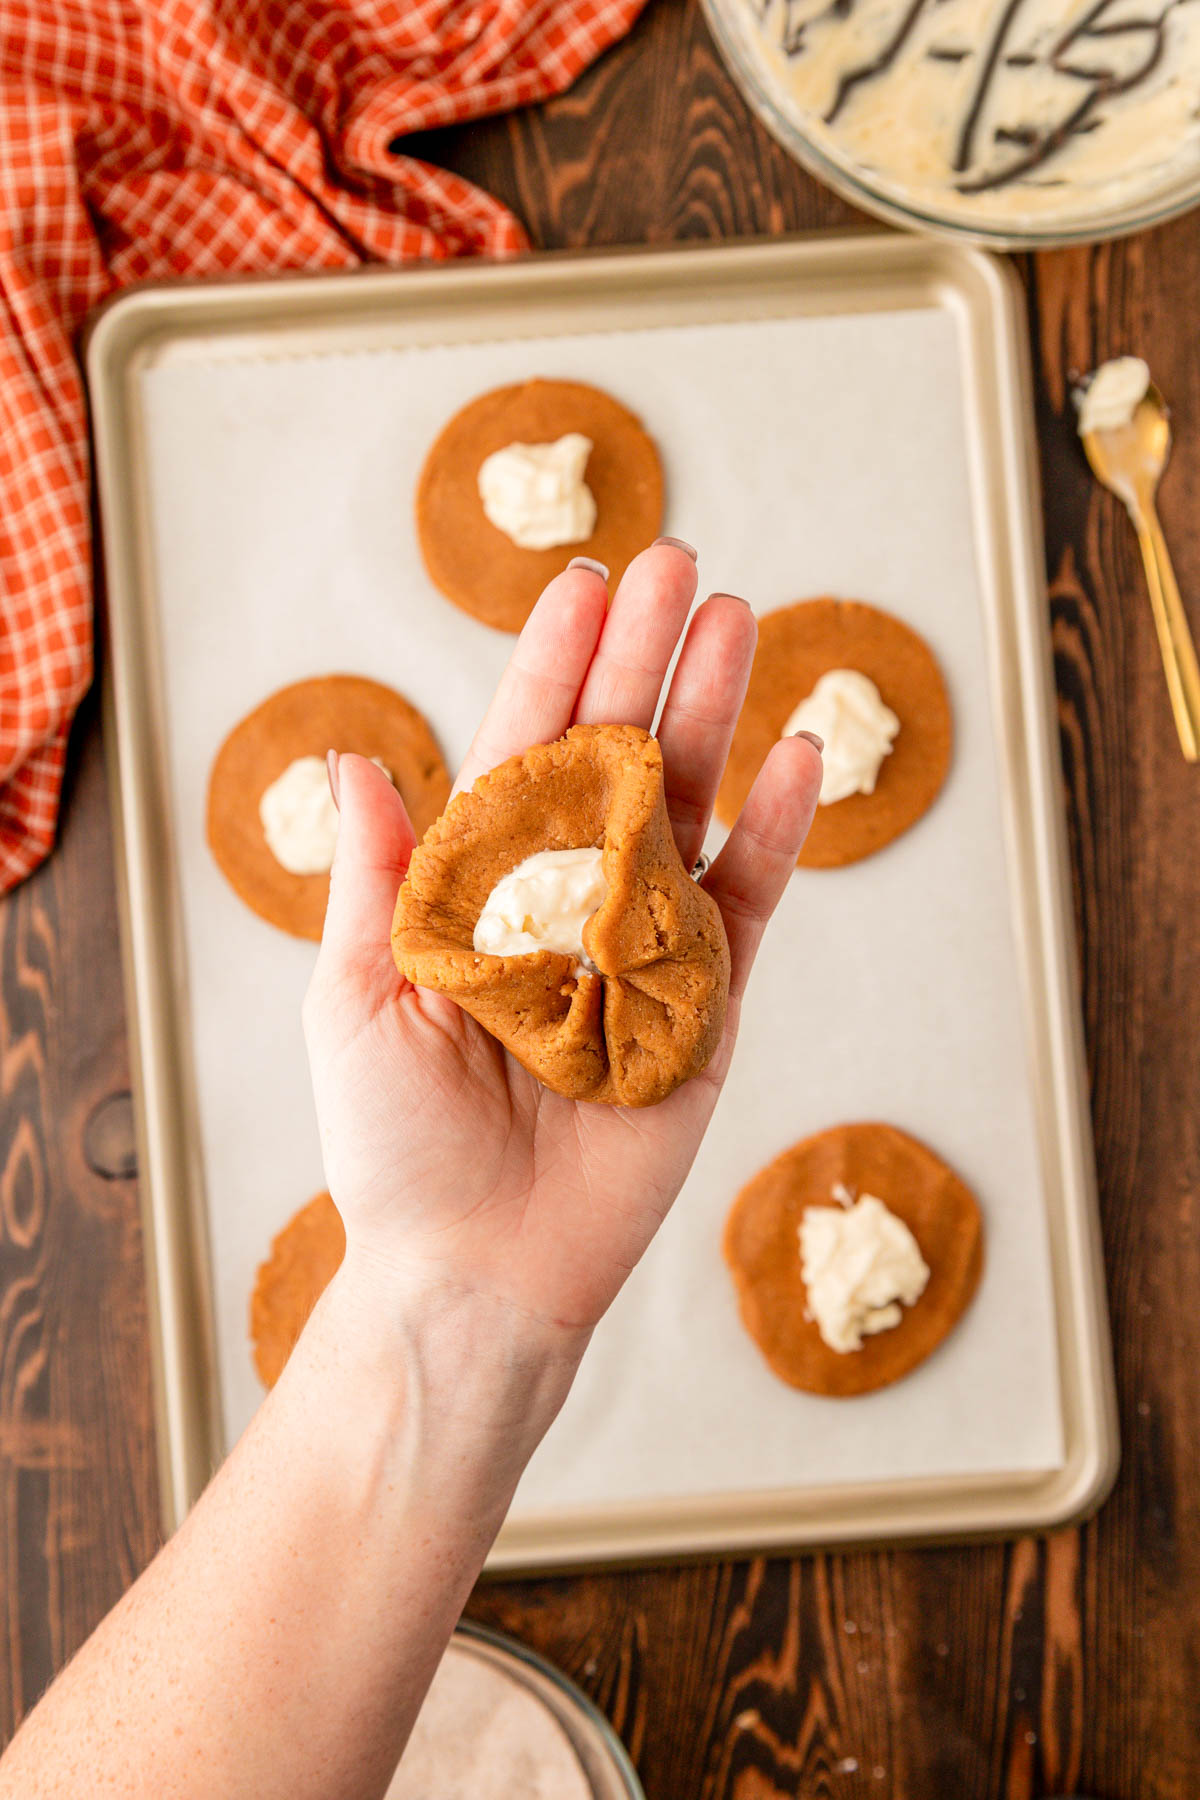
550	902
871	688
854	1254
272	824
525	478
304	1258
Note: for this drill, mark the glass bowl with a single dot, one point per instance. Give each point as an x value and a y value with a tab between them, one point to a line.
602	1756
749	35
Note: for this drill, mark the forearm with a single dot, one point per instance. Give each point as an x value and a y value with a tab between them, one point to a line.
281	1643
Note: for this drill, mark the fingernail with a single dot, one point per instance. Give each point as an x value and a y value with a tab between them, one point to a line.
675	544
811	737
331	769
740	598
589	563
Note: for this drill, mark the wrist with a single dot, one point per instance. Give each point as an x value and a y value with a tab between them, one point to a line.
463	1383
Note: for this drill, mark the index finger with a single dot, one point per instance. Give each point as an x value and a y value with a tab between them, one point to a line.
538	691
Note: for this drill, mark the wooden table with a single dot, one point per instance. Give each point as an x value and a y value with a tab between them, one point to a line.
1030	1668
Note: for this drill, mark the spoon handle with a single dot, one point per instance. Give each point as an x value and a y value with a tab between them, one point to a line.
1174	637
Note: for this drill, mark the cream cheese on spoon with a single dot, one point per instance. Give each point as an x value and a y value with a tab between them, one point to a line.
1112	394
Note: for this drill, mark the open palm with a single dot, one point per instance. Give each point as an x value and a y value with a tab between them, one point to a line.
449	1162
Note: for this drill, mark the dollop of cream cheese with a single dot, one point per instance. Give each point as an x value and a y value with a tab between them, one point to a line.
536	494
845	710
859	1262
543	904
1113	394
299	818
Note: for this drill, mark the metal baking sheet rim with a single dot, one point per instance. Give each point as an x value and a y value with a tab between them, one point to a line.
831	273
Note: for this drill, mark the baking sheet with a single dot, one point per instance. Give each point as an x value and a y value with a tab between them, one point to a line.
803	455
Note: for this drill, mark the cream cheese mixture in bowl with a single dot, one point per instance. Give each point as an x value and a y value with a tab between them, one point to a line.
1012	122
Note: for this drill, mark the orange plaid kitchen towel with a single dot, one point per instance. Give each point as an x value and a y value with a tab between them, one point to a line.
149	138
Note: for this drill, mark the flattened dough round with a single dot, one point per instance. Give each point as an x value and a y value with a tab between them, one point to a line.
651	1016
304	1258
330	712
762	1248
796	646
477	565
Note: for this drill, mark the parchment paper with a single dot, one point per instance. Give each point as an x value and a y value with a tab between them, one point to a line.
803	456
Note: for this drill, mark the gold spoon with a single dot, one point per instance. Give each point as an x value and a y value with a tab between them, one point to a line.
1129	459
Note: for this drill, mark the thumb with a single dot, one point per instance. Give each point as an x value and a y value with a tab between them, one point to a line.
375	840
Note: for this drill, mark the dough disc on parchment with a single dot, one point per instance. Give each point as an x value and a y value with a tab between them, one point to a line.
762	1248
796	646
304	1258
330	712
477	565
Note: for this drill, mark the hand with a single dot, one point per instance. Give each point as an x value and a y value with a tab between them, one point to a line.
452	1167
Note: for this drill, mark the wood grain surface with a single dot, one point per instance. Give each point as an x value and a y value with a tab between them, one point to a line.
1034	1668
